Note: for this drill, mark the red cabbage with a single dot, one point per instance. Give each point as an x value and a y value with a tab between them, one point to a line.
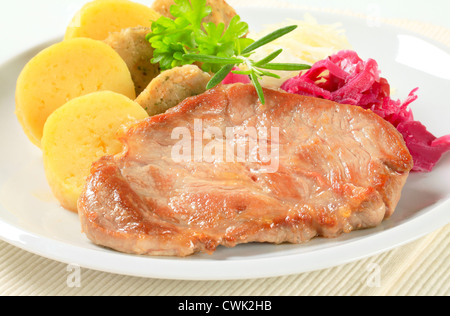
425	148
346	78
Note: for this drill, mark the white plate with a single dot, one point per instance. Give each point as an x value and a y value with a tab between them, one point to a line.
31	219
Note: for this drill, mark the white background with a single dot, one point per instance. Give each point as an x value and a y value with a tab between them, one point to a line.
27	23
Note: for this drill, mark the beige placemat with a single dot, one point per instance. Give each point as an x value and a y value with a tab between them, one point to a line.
421	267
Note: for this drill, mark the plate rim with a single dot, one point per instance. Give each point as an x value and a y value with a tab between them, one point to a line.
371	245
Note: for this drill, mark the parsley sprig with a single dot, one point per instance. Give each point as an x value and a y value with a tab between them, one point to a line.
186	40
172	39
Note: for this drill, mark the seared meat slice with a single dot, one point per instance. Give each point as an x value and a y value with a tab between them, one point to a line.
339	168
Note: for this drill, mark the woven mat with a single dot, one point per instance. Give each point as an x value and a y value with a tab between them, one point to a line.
418	268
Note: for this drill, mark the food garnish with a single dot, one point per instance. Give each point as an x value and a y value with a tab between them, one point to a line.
307	44
186	40
172	39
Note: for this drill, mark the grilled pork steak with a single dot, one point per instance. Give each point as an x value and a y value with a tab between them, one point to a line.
337	168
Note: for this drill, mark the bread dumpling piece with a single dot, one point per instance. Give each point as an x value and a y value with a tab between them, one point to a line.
80	132
171	87
137	53
97	19
65	71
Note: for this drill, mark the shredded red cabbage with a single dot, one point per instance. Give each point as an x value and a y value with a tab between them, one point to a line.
425	148
346	78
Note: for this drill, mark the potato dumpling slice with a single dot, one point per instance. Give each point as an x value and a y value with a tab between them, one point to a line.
65	71
100	17
79	133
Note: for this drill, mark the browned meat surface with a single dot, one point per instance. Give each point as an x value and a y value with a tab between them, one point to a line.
340	168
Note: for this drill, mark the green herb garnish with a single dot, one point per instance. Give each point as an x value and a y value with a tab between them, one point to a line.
186	40
172	39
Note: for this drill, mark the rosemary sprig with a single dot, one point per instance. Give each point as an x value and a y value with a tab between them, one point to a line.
255	69
187	39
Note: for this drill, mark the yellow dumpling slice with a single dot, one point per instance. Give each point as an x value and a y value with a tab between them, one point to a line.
79	133
100	17
65	71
